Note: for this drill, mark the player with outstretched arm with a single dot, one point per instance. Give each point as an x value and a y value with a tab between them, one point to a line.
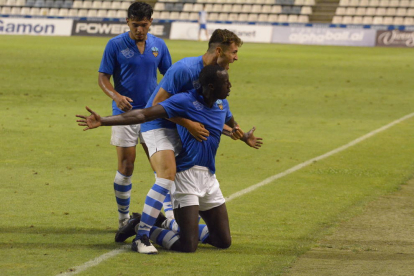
190	196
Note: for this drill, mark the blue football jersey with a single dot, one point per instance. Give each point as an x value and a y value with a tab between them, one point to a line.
182	76
191	105
134	74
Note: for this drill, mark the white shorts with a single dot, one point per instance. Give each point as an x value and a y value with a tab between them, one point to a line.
196	186
162	139
126	136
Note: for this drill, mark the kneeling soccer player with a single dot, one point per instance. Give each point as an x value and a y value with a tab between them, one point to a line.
196	189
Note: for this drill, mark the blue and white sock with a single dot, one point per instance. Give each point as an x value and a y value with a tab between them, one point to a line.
122	188
153	204
163	237
169	213
203	232
171	224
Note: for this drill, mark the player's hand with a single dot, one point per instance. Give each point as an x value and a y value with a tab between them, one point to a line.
251	140
236	133
91	121
123	103
198	131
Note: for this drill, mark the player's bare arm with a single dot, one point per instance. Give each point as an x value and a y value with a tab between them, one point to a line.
122	102
196	129
136	116
247	137
161	96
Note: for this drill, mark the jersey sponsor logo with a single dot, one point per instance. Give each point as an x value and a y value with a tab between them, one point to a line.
128	53
220	104
198	105
154	51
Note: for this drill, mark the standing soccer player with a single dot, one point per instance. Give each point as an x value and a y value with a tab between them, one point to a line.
202	22
132	59
196	189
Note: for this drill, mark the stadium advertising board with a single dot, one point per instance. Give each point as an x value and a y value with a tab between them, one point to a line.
248	33
395	38
31	26
105	28
324	36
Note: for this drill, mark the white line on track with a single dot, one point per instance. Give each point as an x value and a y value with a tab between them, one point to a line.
113	253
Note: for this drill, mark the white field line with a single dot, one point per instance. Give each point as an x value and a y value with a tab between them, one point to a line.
113	253
323	156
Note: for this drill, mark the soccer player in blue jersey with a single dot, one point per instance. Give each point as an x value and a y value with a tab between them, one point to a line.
196	189
132	59
161	135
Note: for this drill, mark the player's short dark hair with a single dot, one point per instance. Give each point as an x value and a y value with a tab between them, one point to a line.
140	11
209	74
223	38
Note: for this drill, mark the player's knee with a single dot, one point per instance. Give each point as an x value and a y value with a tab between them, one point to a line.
167	174
220	242
189	247
225	243
126	169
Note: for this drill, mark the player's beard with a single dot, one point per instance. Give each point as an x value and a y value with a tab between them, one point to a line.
140	38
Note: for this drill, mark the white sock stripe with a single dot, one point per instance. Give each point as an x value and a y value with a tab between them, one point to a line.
156	195
172	241
163	182
169	214
151	211
168	239
155	234
122	180
123	195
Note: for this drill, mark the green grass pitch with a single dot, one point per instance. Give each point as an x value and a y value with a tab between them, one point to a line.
58	209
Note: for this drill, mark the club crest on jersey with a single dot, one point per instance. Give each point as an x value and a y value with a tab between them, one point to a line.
128	53
220	104
196	84
198	105
154	51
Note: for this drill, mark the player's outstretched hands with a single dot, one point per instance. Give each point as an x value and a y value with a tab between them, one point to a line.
91	121
198	131
251	140
236	133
